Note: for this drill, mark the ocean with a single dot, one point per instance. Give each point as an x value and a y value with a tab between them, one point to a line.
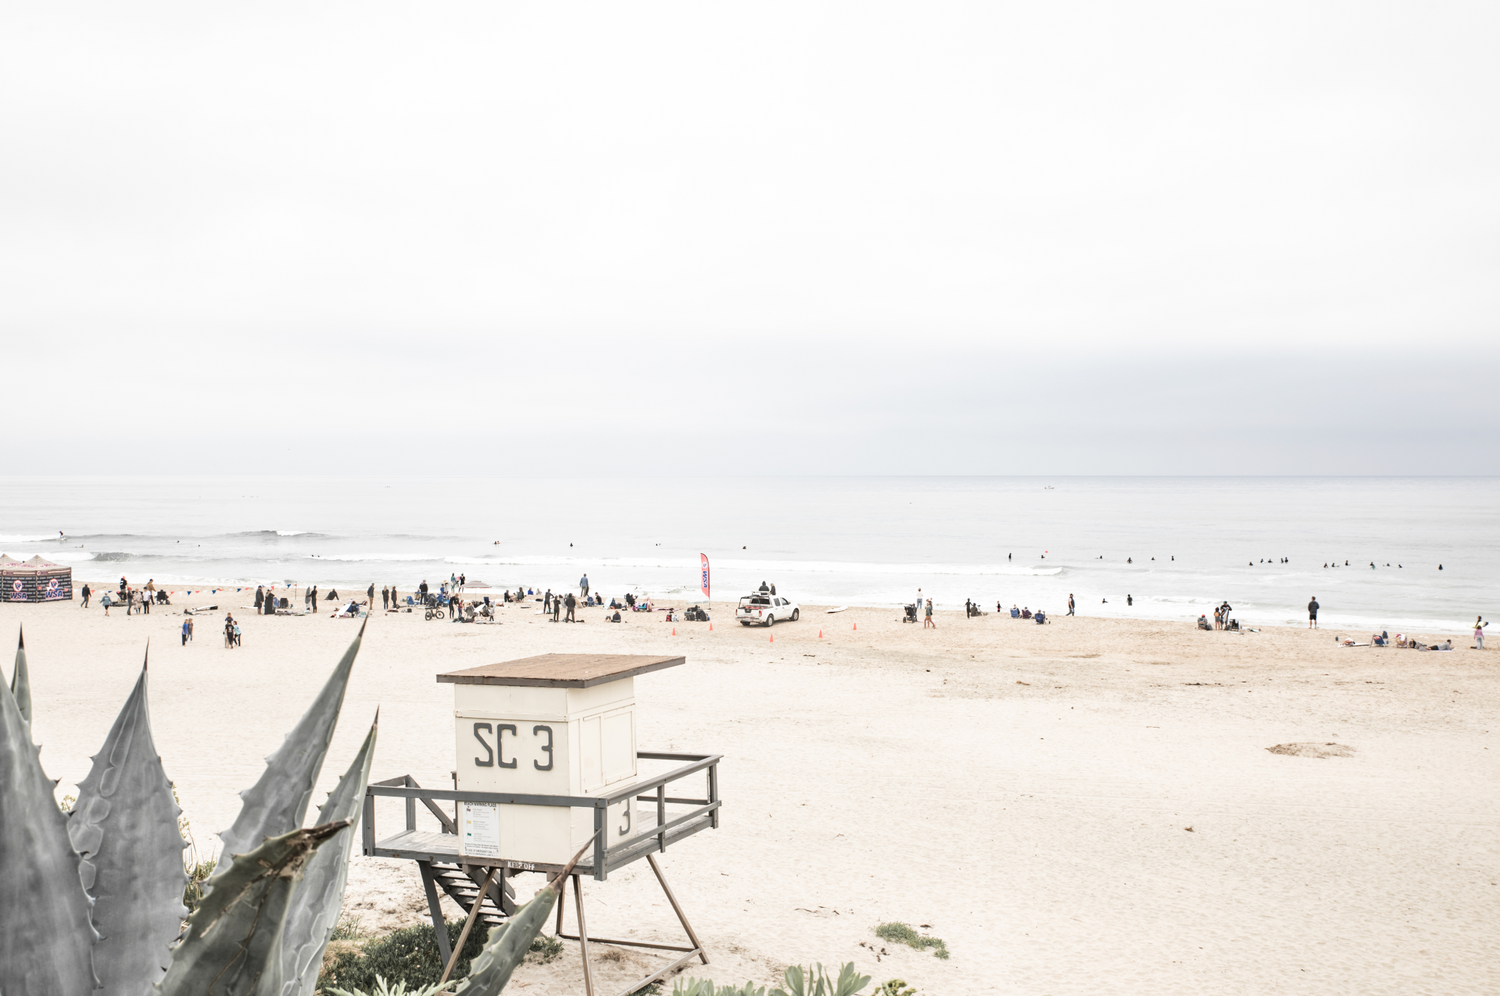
1175	546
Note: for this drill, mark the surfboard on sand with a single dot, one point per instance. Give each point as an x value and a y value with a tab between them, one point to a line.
841	608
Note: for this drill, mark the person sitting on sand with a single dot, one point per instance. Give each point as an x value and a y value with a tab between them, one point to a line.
1015	613
1040	617
1203	623
615	617
1025	612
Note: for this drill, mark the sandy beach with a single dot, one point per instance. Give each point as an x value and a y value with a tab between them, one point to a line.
1084	807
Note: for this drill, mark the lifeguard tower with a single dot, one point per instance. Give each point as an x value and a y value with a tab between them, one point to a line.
547	762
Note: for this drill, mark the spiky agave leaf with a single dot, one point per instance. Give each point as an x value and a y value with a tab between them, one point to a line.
278	801
319	896
503	950
232	946
125	827
20	678
46	939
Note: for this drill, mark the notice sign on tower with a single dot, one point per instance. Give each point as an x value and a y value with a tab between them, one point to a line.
481	830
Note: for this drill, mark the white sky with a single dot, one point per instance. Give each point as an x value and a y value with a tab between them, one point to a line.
925	237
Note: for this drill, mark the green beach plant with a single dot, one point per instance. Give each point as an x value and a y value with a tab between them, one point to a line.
705	987
903	933
406	957
814	981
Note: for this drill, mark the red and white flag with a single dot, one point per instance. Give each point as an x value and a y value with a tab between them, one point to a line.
704	558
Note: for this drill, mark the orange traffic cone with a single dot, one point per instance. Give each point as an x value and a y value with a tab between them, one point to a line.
773	637
856	625
710	627
674	630
820	634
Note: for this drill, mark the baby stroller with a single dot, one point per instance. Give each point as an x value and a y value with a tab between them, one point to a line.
911	614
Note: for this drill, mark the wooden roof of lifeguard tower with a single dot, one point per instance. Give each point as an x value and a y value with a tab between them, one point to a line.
562	670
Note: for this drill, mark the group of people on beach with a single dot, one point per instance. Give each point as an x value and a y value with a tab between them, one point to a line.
136	602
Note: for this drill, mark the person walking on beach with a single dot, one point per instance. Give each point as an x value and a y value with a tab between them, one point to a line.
186	629
85	594
928	620
1312	613
1479	625
1070	603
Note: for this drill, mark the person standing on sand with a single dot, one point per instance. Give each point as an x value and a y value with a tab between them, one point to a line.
572	603
1479	625
1070	603
385	598
184	632
583	585
85	594
260	599
371	594
1312	613
928	620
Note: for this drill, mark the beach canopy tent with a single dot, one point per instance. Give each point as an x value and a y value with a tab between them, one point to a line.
34	580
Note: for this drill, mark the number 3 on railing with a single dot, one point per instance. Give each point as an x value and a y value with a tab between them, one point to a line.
626	828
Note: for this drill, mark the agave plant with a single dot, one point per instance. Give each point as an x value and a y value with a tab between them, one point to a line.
92	900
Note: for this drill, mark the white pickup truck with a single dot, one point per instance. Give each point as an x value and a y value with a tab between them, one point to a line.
765	608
